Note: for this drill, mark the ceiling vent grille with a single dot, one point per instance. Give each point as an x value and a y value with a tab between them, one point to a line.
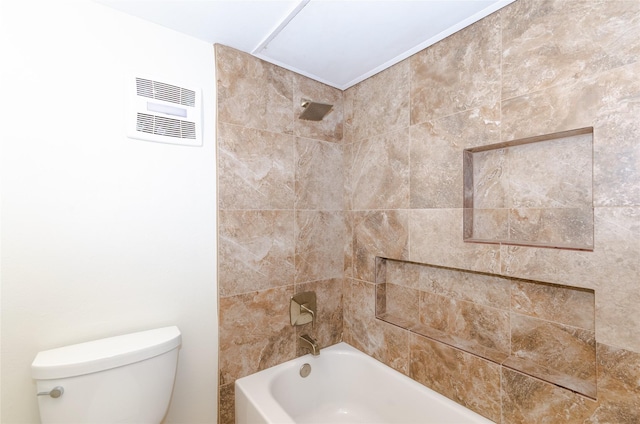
164	113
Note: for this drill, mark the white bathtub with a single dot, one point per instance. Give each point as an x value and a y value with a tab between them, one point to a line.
345	386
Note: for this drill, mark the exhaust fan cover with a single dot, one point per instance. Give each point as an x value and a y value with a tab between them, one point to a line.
163	112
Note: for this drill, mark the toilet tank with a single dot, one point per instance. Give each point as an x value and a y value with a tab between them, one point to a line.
123	379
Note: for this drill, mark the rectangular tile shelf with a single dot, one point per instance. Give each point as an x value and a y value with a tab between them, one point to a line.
536	191
515	324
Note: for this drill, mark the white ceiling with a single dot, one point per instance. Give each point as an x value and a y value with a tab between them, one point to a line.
337	42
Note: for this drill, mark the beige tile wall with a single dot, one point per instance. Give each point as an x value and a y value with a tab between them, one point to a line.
543	330
281	223
533	192
535	67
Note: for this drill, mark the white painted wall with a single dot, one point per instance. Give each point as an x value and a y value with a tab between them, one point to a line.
101	235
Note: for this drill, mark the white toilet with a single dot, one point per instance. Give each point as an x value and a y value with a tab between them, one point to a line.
123	379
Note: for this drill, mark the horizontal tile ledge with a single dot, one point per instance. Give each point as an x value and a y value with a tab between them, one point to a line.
533	139
530	244
574	384
524	366
444	338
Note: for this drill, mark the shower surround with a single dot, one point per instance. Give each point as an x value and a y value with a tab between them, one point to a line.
281	219
309	205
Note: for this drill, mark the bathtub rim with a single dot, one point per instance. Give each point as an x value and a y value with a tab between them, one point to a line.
276	413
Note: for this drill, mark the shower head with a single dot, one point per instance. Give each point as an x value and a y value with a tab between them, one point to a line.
314	111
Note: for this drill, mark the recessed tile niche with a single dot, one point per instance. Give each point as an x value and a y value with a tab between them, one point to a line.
543	330
535	191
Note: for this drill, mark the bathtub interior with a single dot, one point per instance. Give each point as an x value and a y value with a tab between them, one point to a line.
344	386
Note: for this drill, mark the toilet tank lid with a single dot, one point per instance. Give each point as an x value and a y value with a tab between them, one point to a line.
103	354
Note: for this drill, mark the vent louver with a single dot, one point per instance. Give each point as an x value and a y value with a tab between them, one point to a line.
167	92
158	125
164	113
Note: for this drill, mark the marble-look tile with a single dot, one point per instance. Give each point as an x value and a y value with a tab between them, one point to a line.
226	404
381	289
255	332
465	378
348	244
459	73
442	308
617	241
618	388
562	304
253	93
482	289
401	273
319	245
551	375
540	49
559	108
436	155
554	173
402	302
528	400
616	270
471	347
562	349
551	176
435	311
587	103
378	233
554	227
491	225
319	177
330	127
348	151
380	172
255	169
379	104
596	87
616	152
491	184
327	330
385	342
488	327
255	250
557	266
348	99
402	323
436	238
